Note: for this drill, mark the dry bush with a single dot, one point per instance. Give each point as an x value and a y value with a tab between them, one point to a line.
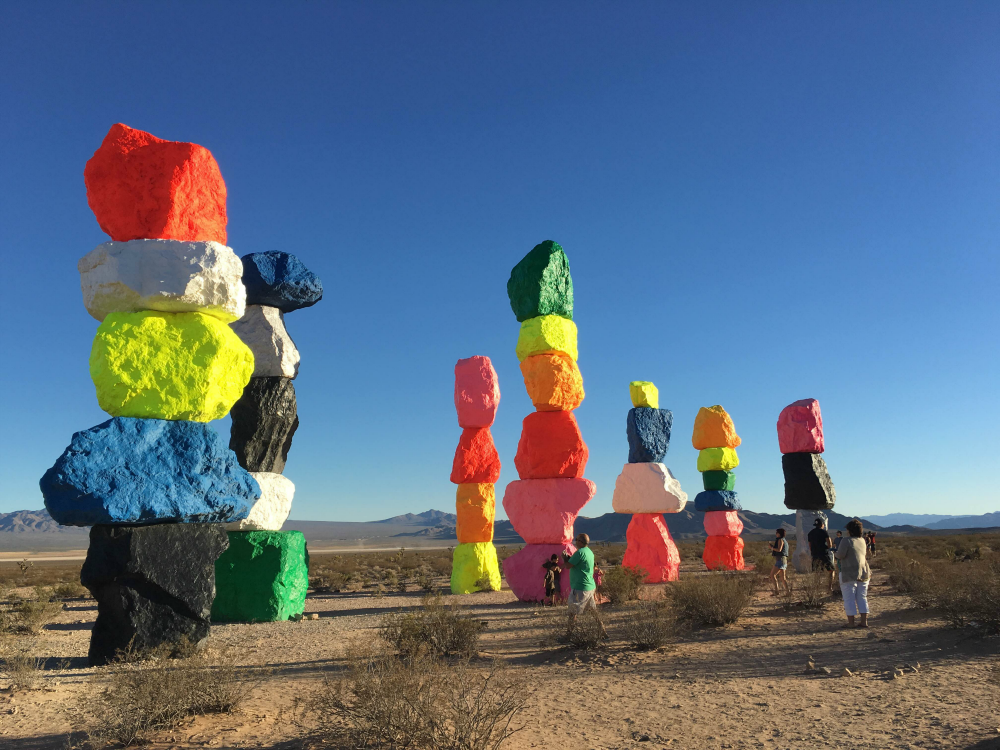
651	626
622	584
814	589
910	577
436	629
28	615
714	599
587	633
485	584
70	590
22	670
969	594
759	555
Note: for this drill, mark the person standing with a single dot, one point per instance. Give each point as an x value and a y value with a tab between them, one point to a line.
821	549
581	584
553	580
854	574
779	551
836	542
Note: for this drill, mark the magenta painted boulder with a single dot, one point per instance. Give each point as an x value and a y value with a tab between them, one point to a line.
723	523
525	575
477	392
800	427
651	548
543	511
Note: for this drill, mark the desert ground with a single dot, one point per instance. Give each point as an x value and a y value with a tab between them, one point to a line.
915	682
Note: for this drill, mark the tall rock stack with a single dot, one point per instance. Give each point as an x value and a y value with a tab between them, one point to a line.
264	574
551	455
647	489
475	470
808	487
155	482
716	440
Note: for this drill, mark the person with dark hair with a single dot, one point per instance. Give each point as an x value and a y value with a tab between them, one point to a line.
553	576
854	574
871	543
821	548
779	551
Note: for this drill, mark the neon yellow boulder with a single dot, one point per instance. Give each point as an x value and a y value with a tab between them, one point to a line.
717	459
644	393
160	365
547	334
470	563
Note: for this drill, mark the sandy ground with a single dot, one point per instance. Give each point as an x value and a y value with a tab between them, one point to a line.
743	686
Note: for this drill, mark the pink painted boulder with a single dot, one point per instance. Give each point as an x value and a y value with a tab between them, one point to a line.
723	523
477	392
525	575
651	548
800	427
543	511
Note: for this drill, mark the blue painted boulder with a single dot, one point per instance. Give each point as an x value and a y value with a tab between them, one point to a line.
710	500
145	471
280	280
648	433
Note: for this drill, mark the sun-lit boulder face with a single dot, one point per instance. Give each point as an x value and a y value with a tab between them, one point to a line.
543	511
470	564
709	500
475	509
541	284
262	329
549	334
713	428
648	433
281	280
808	485
264	421
723	553
157	365
553	382
717	459
651	548
476	458
644	394
723	523
718	480
262	577
805	521
477	392
647	488
525	576
273	507
800	427
143	187
550	447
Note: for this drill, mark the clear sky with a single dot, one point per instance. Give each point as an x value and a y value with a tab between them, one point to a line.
761	202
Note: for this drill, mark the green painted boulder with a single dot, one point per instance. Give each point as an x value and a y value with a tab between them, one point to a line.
718	480
262	577
541	284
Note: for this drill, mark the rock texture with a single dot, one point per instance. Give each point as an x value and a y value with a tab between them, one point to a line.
276	279
713	480
543	511
524	573
710	500
262	329
541	284
470	563
142	187
807	482
648	432
164	275
127	471
717	459
651	548
713	428
183	366
805	521
800	427
723	523
549	334
644	394
273	507
475	508
723	553
153	585
264	421
550	447
477	392
476	458
553	382
262	577
647	488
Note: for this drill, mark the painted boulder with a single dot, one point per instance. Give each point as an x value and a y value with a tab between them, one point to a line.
476	458
808	485
277	279
550	447
475	508
647	488
644	394
723	523
262	329
648	433
709	500
553	382
264	422
541	284
717	459
718	480
800	427
473	565
723	553
713	428
805	521
549	334
543	511
262	577
273	507
525	575
651	548
477	392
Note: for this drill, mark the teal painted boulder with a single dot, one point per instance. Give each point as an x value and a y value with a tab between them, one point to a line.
262	577
540	284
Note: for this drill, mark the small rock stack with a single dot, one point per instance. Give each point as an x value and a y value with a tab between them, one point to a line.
716	440
808	487
647	489
543	504
264	574
475	470
155	482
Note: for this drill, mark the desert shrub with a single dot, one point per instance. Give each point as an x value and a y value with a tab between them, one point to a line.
969	595
18	665
436	629
70	590
586	634
911	577
814	589
426	583
325	582
485	584
27	615
759	555
651	626
622	584
713	600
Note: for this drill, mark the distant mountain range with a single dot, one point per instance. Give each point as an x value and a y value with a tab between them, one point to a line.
936	521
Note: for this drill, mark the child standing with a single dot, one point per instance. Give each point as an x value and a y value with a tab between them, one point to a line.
552	580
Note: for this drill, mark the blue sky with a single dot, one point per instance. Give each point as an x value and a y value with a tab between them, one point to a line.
761	202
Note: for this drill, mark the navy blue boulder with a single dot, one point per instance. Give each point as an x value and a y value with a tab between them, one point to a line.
648	433
144	471
280	280
710	500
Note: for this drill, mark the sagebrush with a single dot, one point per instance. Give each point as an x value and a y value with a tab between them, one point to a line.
622	584
713	599
437	629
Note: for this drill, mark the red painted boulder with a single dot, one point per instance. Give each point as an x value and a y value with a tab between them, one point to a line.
143	187
800	427
525	575
477	392
651	548
723	523
543	511
550	447
723	553
476	458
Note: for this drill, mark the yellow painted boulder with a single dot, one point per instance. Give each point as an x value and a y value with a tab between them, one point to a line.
547	334
644	393
473	565
713	428
717	459
475	506
159	365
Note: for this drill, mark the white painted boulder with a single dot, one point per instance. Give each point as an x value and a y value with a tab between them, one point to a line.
262	329
273	507
804	521
647	488
163	275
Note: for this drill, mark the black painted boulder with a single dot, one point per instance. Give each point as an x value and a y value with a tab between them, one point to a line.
807	482
153	585
264	421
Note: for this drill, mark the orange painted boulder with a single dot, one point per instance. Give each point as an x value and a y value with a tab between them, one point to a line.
553	381
543	511
475	506
713	428
800	427
723	523
143	187
477	392
550	447
651	548
723	553
476	458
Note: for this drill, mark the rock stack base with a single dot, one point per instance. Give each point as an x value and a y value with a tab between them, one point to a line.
262	577
651	548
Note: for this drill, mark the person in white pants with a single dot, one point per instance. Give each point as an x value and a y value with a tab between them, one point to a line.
854	574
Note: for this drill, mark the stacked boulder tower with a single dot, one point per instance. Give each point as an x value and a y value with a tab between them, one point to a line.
475	470
647	489
543	503
155	482
808	488
264	574
716	440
